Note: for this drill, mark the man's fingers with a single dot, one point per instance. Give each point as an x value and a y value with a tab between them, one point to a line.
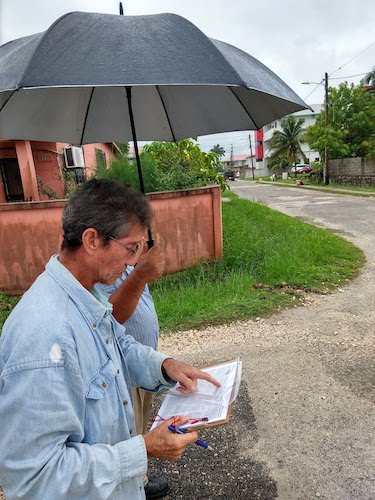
185	390
177	420
206	376
187	384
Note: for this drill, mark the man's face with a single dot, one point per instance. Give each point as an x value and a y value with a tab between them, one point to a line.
112	259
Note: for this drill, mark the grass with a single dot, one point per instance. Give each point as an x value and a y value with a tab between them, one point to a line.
270	261
6	306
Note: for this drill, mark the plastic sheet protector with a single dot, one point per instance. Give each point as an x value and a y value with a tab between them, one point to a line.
208	405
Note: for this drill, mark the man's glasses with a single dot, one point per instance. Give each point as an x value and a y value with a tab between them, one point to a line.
133	251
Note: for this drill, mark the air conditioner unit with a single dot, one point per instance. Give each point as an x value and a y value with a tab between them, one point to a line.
74	157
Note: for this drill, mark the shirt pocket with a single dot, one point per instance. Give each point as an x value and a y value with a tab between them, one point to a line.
102	406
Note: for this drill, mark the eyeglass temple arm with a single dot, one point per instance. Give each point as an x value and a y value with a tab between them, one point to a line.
150	241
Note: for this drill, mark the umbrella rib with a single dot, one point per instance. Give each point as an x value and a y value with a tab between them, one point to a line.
243	107
165	111
86	115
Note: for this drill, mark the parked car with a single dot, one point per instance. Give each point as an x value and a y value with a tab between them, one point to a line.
229	175
302	169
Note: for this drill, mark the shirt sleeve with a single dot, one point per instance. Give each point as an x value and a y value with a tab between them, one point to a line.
145	365
41	450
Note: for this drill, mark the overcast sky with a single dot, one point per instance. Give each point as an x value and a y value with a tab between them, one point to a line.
299	40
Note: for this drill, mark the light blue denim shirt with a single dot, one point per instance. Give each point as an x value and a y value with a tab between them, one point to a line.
143	324
66	416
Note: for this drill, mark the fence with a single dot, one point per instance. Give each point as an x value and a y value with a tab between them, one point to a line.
353	171
187	225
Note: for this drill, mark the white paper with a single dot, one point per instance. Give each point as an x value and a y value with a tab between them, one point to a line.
208	401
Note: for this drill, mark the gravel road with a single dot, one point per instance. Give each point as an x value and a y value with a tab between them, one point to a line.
303	424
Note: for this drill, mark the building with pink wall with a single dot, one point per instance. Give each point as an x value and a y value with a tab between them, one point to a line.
24	163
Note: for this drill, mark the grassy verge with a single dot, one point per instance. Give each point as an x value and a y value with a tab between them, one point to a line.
6	306
270	261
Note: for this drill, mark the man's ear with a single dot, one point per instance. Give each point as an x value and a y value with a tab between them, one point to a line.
91	240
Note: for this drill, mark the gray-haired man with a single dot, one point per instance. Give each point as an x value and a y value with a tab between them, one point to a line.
67	366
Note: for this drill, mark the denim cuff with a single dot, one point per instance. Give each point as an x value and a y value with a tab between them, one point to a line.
133	458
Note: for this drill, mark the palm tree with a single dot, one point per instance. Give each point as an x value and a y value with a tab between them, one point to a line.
286	143
370	77
219	150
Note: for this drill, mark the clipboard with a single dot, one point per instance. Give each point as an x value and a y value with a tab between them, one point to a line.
207	402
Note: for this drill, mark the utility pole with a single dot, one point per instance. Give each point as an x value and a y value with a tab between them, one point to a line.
251	157
231	156
326	107
326	116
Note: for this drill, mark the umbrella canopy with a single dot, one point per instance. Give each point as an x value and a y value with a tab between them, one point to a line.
71	83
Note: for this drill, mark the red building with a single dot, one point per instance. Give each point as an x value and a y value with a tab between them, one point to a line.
259	148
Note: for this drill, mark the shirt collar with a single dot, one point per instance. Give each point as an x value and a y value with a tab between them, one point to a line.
90	305
102	299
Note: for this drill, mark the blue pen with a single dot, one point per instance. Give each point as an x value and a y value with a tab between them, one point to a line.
179	430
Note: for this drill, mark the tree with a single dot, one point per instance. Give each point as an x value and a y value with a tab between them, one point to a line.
183	164
286	143
166	166
370	77
122	148
351	124
219	150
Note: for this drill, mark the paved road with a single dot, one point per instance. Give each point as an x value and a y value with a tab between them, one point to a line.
303	425
351	216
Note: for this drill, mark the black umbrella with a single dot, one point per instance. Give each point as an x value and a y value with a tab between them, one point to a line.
98	77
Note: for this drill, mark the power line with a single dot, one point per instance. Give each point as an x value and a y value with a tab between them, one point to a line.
348	76
352	59
335	78
320	83
340	78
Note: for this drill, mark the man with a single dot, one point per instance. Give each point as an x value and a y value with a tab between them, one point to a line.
67	366
133	306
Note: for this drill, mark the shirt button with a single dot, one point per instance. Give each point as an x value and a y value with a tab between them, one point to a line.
107	341
94	325
104	385
118	371
124	403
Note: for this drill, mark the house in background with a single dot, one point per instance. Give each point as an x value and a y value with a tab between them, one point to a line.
239	163
263	137
26	164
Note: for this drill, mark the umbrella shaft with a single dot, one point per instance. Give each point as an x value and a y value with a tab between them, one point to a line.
150	241
134	135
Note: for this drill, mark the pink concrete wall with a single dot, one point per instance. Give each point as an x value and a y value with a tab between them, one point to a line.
187	224
30	233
